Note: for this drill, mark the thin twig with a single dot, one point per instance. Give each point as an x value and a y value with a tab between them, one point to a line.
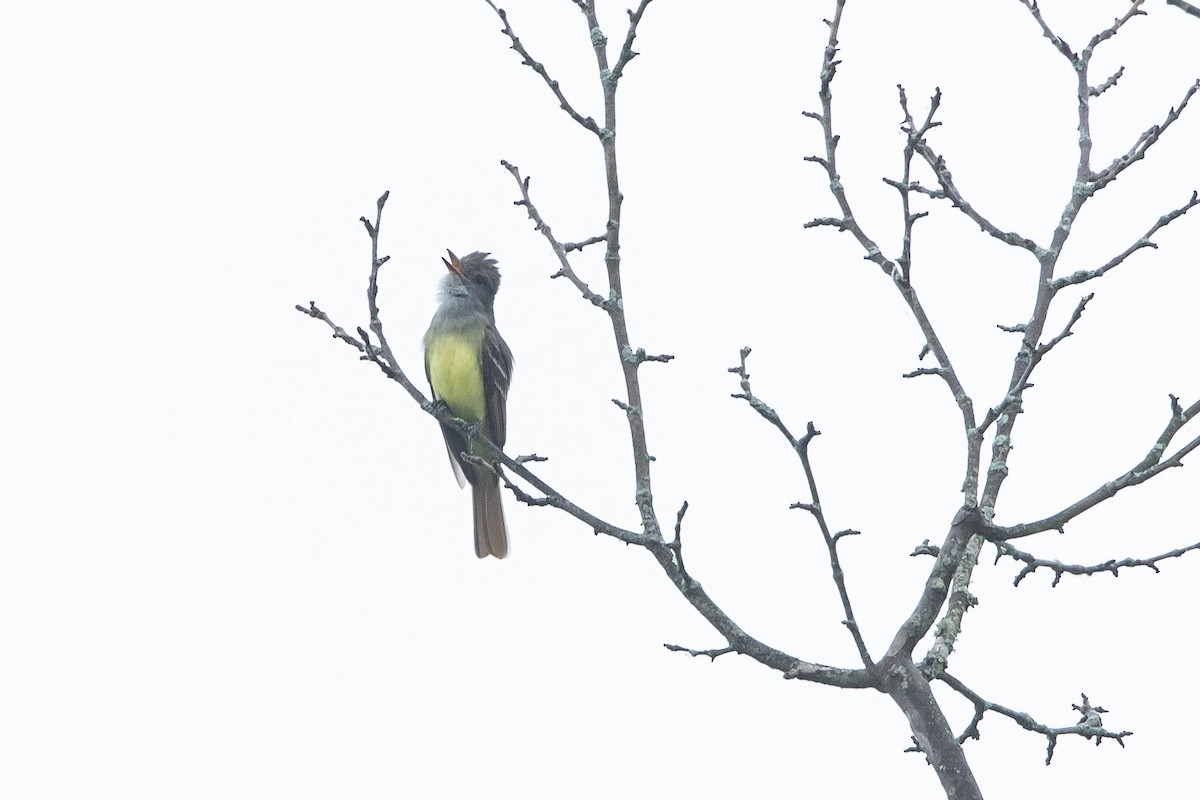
1082	276
1096	91
627	52
949	190
904	185
560	251
528	61
712	654
676	544
1012	401
1144	142
814	506
569	246
373	284
1058	43
338	331
1113	566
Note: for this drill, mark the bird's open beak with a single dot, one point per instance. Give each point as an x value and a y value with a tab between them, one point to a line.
453	264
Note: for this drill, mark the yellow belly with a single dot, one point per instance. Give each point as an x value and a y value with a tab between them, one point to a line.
456	374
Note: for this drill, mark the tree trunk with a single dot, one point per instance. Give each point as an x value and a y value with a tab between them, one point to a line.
910	689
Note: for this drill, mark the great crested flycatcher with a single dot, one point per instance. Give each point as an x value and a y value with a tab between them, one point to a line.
469	366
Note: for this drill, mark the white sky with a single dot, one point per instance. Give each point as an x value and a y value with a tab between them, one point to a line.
235	562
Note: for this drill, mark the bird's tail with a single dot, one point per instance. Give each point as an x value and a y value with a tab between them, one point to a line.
491	533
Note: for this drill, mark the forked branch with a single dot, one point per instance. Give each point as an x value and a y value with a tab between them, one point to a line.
1089	724
668	554
800	446
560	250
1152	464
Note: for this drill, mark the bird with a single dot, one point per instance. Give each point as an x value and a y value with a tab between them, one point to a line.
469	367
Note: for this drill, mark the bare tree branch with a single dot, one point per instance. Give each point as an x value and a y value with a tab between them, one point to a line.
899	272
919	371
373	287
712	654
1012	400
669	555
1088	726
1135	10
956	558
560	250
1187	8
846	222
1166	219
540	69
1153	464
1058	43
627	53
967	523
569	246
949	191
338	331
904	185
1030	353
1144	142
1096	91
800	446
1032	563
676	544
958	603
925	548
643	493
380	355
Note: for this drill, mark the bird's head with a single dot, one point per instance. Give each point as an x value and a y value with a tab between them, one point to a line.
475	274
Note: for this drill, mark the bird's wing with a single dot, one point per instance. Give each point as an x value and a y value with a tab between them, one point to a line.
497	361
